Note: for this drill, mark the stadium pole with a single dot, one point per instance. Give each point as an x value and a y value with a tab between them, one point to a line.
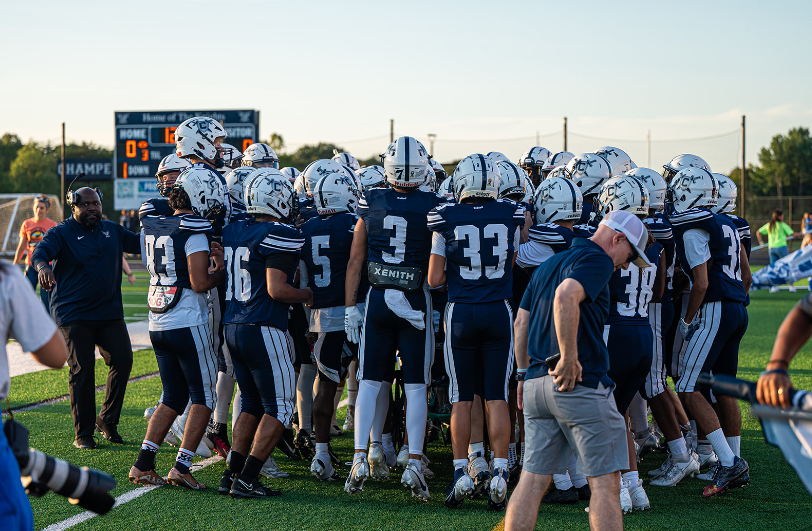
648	148
62	196
565	133
742	211
391	131
432	137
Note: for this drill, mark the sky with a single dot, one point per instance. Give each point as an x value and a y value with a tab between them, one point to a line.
482	76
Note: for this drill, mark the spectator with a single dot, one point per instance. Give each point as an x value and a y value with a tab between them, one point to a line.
806	228
124	220
31	233
777	232
134	223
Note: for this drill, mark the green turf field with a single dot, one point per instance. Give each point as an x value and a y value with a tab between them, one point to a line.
775	497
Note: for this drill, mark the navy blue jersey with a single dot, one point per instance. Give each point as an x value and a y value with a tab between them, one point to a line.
586	213
249	246
661	231
158	206
724	273
479	246
165	247
631	289
396	226
307	210
557	237
237	209
744	231
326	252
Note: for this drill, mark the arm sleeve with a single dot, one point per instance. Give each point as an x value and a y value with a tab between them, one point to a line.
47	249
532	254
697	250
31	326
196	243
593	272
438	244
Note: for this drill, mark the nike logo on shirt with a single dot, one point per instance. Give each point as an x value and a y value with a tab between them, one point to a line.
79	237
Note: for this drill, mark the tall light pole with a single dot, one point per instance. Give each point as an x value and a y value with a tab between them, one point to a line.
432	137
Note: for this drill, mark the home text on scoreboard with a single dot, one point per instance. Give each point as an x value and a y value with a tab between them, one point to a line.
144	138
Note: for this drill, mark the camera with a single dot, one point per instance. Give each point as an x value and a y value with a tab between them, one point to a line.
86	487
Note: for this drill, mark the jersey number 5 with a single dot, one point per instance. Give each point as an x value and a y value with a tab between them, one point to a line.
238	285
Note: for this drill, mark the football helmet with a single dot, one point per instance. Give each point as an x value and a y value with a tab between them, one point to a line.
196	136
446	189
558	199
431	182
589	171
513	180
236	181
345	159
693	187
560	171
683	161
556	160
260	155
534	157
299	187
405	163
291	173
371	177
498	157
529	191
335	193
728	193
619	161
623	193
655	184
206	192
475	176
439	172
169	164
318	169
269	193
231	157
356	182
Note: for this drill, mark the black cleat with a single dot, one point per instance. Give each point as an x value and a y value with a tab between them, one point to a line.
85	443
108	431
304	443
514	473
556	495
287	447
584	493
245	487
226	481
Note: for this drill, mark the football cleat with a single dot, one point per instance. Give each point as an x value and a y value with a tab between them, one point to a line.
217	434
480	472
742	481
639	498
658	472
358	474
413	479
226	481
625	500
149	477
459	487
497	496
349	422
271	470
323	470
149	411
646	445
304	443
170	438
403	457
556	495
709	474
377	462
287	446
179	479
584	493
514	472
427	473
726	476
690	440
677	472
335	431
245	487
707	461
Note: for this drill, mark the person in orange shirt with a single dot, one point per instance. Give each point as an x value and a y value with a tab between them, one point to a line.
31	233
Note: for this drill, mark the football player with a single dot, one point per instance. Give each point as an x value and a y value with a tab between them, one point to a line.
556	160
260	155
176	252
231	158
588	171
168	171
475	240
532	161
261	256
392	231
710	249
345	159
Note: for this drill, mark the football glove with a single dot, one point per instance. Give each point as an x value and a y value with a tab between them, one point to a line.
687	329
352	323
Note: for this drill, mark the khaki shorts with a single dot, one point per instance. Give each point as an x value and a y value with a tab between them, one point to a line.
585	420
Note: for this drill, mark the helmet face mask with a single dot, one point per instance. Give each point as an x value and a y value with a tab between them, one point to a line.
554	161
534	157
681	162
200	137
170	167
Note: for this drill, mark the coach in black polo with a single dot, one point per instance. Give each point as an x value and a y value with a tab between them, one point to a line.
85	286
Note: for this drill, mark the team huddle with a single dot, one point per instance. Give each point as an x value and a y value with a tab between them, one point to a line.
291	286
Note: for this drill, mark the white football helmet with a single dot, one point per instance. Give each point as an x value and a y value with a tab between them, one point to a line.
655	184
534	157
529	191
556	160
231	157
291	173
356	182
560	171
196	136
623	193
693	187
206	192
439	172
447	189
335	193
168	164
318	169
299	187
475	176
498	157
589	171
513	180
269	193
728	193
619	161
236	181
405	163
681	162
345	159
260	155
558	199
371	177
431	182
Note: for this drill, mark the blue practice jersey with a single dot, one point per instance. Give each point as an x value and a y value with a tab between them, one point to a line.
326	251
557	237
480	240
396	226
631	289
158	206
249	246
165	247
724	269
661	231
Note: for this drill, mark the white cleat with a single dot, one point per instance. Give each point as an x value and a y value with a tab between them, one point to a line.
427	473
625	500
676	473
639	498
709	473
658	472
498	490
271	470
149	411
413	479
707	460
403	457
479	471
358	474
377	463
349	422
323	470
463	486
171	439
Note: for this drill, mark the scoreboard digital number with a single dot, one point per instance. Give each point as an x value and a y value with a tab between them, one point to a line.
144	138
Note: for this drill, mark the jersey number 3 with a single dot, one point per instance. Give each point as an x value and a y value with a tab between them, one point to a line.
471	233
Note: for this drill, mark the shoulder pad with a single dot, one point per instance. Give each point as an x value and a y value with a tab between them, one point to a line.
694	215
546	234
282	238
435	217
195	224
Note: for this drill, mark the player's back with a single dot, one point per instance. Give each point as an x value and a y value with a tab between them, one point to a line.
631	290
157	206
744	231
165	245
661	231
326	253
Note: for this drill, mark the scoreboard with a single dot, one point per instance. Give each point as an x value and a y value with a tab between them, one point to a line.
144	138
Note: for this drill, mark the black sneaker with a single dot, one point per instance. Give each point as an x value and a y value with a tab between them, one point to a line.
245	487
108	431
556	495
226	481
584	493
304	443
726	478
85	443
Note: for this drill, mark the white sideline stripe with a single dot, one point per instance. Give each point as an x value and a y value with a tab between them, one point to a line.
124	498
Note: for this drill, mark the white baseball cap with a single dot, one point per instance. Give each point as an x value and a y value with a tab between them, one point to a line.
635	231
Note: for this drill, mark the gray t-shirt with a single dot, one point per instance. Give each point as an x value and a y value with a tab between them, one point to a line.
22	316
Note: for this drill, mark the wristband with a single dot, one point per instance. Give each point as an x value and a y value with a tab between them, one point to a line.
43	266
775	371
521	371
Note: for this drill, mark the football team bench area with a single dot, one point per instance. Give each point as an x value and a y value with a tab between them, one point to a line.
775	498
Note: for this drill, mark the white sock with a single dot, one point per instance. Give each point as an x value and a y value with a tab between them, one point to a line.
304	395
321	450
704	447
735	444
460	463
476	447
365	411
418	464
500	463
511	454
225	390
562	481
417	411
381	410
578	480
633	480
679	450
720	446
359	456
